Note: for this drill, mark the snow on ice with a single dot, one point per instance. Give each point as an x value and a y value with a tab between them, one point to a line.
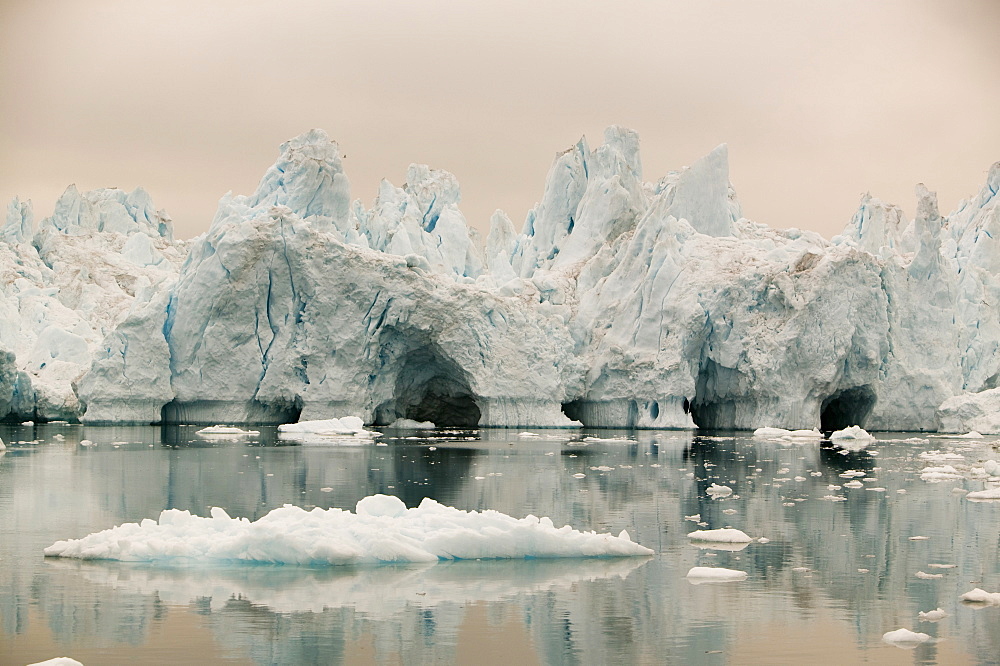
381	530
622	302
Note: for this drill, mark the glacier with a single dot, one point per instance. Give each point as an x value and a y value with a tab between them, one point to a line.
622	302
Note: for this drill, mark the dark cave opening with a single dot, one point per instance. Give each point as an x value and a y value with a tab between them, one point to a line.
846	408
430	387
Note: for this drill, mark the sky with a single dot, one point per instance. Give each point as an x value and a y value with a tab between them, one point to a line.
819	102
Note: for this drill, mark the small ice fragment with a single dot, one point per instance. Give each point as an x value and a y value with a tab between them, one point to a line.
225	432
926	576
972	434
716	491
876	489
578	475
932	615
763	540
863	570
729	512
854	484
410	424
942	566
919	538
699	575
326	489
988	494
800	569
853	438
86	442
694	519
992	467
979	596
432	448
721	536
904	638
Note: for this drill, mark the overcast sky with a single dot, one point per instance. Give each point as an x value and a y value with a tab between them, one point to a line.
818	101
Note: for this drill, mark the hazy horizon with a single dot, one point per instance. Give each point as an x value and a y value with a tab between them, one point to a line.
189	100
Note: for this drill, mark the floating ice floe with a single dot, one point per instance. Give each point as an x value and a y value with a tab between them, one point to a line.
788	436
410	424
717	491
225	432
699	575
58	661
852	438
940	456
327	431
381	530
726	535
904	638
923	575
988	494
942	473
932	615
981	597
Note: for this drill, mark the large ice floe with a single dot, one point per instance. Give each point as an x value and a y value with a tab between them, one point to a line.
622	302
381	530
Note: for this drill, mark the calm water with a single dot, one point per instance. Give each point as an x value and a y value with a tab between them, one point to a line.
833	577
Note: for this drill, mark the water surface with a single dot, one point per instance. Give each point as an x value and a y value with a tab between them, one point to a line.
837	571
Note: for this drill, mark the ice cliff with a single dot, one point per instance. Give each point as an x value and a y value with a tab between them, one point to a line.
622	302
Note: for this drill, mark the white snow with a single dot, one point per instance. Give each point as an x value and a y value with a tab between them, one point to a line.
225	432
979	596
57	661
904	638
699	575
381	529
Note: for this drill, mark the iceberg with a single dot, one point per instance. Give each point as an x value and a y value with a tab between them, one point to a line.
622	302
381	530
904	638
699	575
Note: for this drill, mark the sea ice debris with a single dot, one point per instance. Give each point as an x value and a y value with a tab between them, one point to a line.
726	535
988	494
904	638
699	575
932	615
852	438
716	491
381	530
980	596
225	432
410	424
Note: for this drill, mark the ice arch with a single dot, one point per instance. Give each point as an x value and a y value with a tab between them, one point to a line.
847	407
428	386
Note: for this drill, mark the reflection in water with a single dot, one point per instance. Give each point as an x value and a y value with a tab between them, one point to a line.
846	565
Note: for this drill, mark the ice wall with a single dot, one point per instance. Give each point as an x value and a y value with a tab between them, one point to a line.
621	302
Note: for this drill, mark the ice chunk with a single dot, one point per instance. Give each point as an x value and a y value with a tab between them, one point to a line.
988	494
410	424
382	530
980	596
904	638
941	473
716	491
852	438
726	535
932	615
58	661
225	432
699	575
345	426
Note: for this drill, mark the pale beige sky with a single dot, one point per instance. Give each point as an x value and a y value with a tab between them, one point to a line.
818	101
